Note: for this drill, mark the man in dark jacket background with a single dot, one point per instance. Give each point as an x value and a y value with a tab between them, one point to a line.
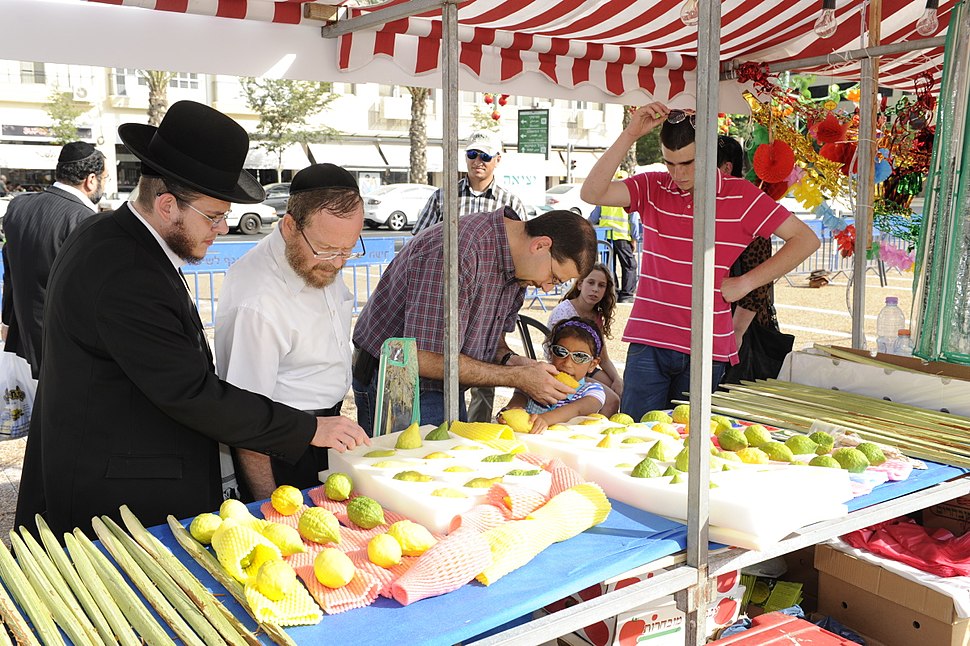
36	225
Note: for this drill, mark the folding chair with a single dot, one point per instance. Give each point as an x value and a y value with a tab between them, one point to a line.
525	325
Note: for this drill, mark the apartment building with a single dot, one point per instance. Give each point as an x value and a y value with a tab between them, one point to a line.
372	121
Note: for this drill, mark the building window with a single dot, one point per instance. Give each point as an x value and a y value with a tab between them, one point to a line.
33	73
185	81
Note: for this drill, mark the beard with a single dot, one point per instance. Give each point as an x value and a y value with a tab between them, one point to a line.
181	245
315	274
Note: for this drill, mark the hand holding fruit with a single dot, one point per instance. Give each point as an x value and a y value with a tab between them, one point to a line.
339	433
538	381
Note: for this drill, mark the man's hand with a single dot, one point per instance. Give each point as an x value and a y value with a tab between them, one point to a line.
733	288
646	118
538	381
339	433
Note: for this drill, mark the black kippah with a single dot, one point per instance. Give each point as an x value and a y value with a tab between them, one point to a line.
76	151
320	176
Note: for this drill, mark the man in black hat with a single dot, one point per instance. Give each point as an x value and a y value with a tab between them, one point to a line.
283	324
129	410
36	225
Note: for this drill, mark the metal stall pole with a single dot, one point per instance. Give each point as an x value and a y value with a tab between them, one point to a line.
449	80
866	190
695	599
449	89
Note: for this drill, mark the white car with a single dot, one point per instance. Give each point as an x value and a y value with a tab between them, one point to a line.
396	205
249	219
565	197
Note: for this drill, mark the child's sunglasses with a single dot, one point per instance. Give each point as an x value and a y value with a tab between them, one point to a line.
579	357
475	154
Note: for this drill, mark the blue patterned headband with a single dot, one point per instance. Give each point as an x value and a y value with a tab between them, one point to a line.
592	332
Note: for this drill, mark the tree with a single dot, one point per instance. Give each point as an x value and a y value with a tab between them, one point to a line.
418	135
648	148
283	107
157	94
64	112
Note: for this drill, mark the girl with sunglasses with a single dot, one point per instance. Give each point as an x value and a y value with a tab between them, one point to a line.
574	347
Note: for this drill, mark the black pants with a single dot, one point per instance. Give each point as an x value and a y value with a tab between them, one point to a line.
306	472
623	252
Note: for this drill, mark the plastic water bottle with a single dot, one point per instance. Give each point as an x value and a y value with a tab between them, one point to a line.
890	320
904	343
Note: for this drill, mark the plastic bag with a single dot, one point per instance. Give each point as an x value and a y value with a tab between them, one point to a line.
18	389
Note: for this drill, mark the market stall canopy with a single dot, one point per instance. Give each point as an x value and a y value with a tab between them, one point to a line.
608	51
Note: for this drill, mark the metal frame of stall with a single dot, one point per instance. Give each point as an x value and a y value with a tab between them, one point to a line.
692	582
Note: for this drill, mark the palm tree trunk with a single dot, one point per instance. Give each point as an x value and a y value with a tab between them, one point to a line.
157	94
418	134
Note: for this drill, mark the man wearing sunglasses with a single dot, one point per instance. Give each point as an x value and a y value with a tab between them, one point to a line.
283	323
478	192
658	361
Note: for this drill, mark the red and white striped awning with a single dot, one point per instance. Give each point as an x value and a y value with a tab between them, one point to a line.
616	49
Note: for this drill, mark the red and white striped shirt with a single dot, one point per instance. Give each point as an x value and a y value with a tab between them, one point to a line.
661	313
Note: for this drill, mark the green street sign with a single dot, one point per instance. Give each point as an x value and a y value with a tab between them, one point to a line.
534	131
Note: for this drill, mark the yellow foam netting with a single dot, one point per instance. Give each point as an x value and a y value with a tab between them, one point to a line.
515	543
515	501
242	550
481	431
295	609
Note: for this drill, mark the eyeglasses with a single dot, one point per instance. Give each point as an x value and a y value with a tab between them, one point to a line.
331	255
552	272
678	116
214	221
476	154
579	357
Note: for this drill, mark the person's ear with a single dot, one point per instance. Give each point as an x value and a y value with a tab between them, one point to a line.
540	243
727	167
166	207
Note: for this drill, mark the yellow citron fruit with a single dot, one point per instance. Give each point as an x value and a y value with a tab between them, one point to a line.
233	508
414	539
597	415
410	438
437	455
286	499
606	442
458	469
590	422
558	427
681	414
338	486
319	525
384	550
568	380
365	512
518	419
275	579
284	537
666	429
333	568
204	526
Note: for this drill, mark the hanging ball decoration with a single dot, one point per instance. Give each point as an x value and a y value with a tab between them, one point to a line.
774	162
489	99
830	130
495	115
502	100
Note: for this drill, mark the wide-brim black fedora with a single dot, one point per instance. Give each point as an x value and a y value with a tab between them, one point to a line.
199	147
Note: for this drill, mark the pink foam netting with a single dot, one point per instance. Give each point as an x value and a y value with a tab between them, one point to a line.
360	592
563	478
385	576
449	564
522	501
479	518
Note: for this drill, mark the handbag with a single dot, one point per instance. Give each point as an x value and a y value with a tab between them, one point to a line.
19	389
763	350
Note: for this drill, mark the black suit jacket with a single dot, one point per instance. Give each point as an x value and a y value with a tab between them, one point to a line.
129	408
36	225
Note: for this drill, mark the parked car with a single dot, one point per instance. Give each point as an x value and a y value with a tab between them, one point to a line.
535	210
277	195
566	197
249	219
396	205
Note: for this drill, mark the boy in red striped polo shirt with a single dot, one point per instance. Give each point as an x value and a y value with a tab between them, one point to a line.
658	361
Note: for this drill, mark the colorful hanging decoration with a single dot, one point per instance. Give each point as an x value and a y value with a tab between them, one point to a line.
496	102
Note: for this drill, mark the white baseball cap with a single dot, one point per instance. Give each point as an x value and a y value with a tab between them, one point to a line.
486	142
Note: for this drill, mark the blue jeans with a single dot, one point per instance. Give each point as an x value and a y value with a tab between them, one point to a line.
655	376
432	405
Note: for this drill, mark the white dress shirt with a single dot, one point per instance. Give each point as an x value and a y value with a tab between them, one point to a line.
279	337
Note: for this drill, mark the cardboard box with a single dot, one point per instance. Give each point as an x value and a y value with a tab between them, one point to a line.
940	368
658	616
953	515
801	569
874	601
